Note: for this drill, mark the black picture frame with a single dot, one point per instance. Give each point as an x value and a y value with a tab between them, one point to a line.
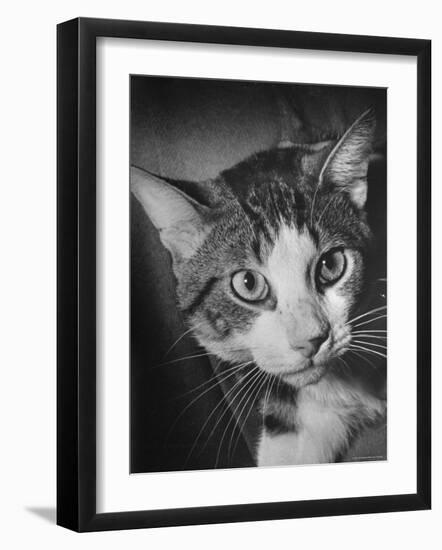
76	273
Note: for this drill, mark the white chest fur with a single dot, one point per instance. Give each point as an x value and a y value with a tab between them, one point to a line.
327	416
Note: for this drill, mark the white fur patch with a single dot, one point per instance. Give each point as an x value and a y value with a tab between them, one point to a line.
275	333
325	414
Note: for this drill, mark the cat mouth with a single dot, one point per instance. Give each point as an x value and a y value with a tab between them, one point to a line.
309	374
290	372
310	367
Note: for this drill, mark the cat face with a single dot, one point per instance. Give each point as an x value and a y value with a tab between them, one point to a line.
270	257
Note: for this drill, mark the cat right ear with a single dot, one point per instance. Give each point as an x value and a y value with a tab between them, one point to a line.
181	221
347	165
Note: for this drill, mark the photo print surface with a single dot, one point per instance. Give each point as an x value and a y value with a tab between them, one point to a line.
258	274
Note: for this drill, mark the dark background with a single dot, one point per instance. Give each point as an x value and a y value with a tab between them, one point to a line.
193	129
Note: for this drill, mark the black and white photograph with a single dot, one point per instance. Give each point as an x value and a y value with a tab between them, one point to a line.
258	299
220	323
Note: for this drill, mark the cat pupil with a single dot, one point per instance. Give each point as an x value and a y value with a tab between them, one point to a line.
249	281
329	262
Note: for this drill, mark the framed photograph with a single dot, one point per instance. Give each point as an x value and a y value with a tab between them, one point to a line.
236	208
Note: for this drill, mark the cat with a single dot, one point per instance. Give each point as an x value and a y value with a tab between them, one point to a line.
271	261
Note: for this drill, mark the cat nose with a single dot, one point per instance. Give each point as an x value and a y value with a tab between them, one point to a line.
309	348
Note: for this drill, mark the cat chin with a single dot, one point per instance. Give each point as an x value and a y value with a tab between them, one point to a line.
304	377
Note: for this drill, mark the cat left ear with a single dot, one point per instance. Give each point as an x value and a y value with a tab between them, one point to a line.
347	165
181	221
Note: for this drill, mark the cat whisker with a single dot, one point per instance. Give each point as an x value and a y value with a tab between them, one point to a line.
369	331
227	348
241	426
370	321
243	391
251	384
222	400
221	377
375	310
198	397
381	346
270	385
251	408
191	329
346	365
219	380
205	354
373	336
236	417
352	346
278	384
361	335
365	359
247	388
236	387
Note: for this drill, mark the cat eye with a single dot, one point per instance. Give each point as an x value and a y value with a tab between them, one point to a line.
250	286
331	267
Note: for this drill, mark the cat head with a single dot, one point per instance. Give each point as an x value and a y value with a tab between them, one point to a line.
270	257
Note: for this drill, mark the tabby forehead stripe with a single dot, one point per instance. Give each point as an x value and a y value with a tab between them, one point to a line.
200	297
258	221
